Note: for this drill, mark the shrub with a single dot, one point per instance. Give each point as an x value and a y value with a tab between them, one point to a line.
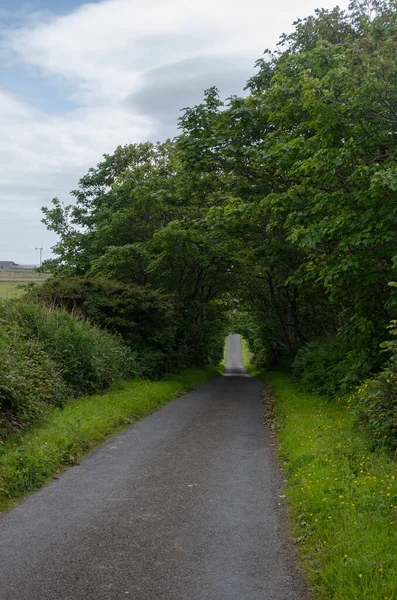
329	366
376	408
143	316
376	400
88	358
29	379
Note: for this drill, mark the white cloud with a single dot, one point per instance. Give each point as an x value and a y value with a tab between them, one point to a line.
37	148
42	156
105	48
108	55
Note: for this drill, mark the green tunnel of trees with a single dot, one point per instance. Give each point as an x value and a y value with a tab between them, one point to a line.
273	214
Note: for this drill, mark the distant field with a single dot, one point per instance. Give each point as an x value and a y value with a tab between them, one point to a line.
9	290
10	279
22	276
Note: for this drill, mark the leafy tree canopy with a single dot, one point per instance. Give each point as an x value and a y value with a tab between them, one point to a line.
281	202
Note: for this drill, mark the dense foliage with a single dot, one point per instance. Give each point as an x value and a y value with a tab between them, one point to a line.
138	222
306	185
29	378
48	356
142	316
279	205
376	399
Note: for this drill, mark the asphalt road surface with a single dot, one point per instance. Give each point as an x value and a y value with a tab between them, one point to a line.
181	506
234	364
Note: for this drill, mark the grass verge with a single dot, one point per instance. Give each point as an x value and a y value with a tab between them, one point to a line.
343	497
29	461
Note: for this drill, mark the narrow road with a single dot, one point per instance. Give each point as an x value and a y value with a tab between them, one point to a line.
181	506
234	362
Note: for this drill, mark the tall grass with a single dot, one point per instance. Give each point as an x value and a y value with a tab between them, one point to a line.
48	355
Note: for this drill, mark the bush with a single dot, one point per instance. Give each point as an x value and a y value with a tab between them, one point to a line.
48	356
376	406
88	358
329	367
376	400
29	379
143	316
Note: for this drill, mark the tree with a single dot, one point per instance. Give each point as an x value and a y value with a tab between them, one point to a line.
281	202
136	220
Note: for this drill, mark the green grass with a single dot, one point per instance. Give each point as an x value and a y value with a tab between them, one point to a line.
343	497
22	276
29	461
9	290
10	280
247	356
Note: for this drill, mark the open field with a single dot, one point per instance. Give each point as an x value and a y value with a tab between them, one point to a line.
9	281
9	290
22	276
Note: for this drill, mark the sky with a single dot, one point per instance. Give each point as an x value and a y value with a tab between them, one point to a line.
78	79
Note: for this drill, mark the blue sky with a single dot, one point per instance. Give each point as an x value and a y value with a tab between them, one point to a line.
42	92
19	7
77	79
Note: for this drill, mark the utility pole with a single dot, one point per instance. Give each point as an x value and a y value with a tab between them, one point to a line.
40	250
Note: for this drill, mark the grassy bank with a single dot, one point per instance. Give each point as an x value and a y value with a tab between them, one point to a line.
343	497
30	460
